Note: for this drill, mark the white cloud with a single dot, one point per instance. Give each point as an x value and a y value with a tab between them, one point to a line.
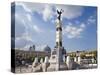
24	6
82	25
29	17
70	12
25	27
40	47
91	20
37	29
43	9
47	12
16	15
23	40
24	36
73	32
26	47
25	19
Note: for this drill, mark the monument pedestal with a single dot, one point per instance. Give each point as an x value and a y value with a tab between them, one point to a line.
53	67
56	61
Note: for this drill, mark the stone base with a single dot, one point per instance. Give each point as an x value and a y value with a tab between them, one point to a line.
63	66
53	67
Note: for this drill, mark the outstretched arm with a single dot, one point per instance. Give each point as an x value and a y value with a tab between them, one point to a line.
57	11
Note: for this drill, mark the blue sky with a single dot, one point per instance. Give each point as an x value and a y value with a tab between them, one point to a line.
35	24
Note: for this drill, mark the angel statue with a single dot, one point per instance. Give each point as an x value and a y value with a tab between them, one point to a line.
59	13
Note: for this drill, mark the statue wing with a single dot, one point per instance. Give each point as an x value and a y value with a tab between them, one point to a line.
61	10
57	11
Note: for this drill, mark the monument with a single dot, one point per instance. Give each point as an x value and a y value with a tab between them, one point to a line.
56	61
56	58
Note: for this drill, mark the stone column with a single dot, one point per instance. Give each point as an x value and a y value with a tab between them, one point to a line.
41	61
45	64
36	59
46	60
35	62
75	59
64	59
79	60
59	57
58	33
68	62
